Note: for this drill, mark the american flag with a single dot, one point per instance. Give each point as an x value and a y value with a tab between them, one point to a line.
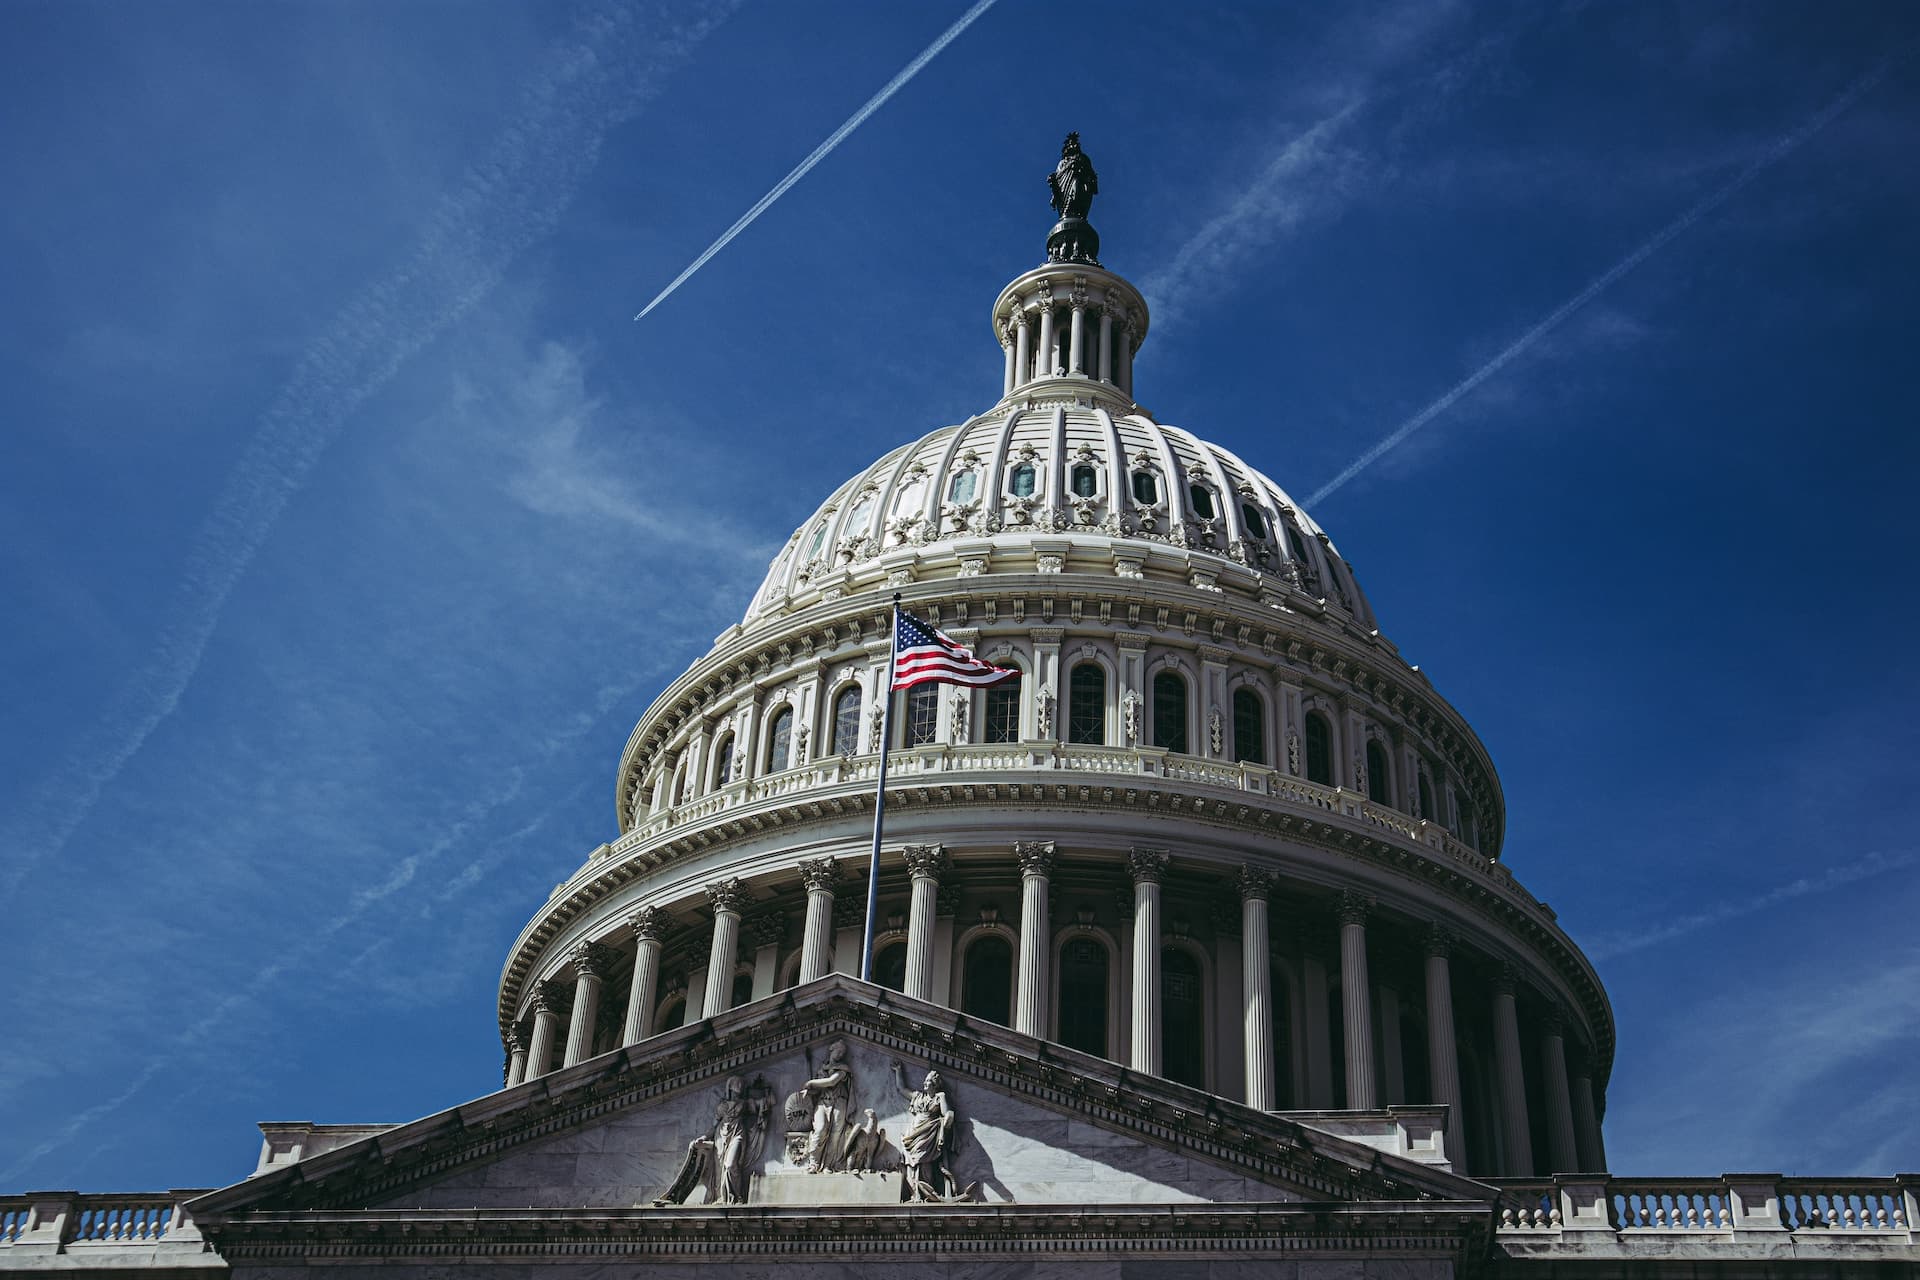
921	655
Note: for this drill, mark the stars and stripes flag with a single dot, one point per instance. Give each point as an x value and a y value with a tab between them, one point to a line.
922	655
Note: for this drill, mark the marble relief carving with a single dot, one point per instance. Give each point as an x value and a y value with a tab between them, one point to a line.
724	1160
926	1148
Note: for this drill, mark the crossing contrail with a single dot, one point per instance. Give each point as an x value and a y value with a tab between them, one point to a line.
822	151
1779	151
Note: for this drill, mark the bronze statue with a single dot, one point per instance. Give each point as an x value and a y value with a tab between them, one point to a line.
1073	181
1073	184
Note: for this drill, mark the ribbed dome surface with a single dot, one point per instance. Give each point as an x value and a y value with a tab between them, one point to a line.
1052	487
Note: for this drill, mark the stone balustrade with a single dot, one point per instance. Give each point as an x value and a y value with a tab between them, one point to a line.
94	1231
1734	1211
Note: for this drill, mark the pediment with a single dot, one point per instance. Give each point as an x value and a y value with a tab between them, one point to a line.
1034	1124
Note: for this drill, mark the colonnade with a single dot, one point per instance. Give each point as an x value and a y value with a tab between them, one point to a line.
1103	349
1570	1123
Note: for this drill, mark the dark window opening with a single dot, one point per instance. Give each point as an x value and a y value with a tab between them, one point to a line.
1183	1030
1319	750
1083	996
1426	798
1087	705
986	980
1003	712
1086	481
1170	711
779	739
1255	522
923	715
1202	498
742	990
890	966
846	722
1146	489
1249	727
1378	789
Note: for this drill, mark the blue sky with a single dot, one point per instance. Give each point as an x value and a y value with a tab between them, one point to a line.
347	520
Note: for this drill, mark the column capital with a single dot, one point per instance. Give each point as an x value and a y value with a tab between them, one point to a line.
1036	857
768	930
727	895
548	997
1146	866
516	1043
928	860
649	924
1352	908
1440	941
1553	1022
591	960
1255	884
1505	981
819	873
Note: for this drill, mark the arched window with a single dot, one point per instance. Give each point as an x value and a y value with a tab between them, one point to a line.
819	537
1086	481
723	762
1183	1026
1083	995
671	1013
779	740
1319	749
1469	827
1249	727
923	716
890	966
1170	711
680	782
986	980
1022	482
1255	522
1339	580
846	721
1202	499
1426	797
962	487
1087	704
742	990
1146	489
857	518
1003	711
1282	1008
1379	785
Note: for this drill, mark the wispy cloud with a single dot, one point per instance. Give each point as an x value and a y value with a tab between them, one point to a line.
822	151
1605	946
603	72
1774	154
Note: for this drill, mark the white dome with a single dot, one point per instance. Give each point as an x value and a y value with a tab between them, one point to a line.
1031	486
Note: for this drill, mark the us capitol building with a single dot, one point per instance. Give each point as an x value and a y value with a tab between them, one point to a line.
1196	953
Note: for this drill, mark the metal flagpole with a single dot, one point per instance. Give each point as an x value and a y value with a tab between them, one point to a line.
880	791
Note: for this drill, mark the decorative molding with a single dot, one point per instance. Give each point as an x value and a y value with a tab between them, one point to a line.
727	895
1036	857
819	873
1146	866
925	860
592	959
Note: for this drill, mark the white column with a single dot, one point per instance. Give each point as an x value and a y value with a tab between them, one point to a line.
1147	867
1513	1083
1006	345
1256	978
1356	1003
1077	339
1036	937
546	1028
1126	359
816	941
1586	1119
727	898
1022	349
1106	344
647	924
1561	1150
591	961
925	862
1443	1055
1043	364
516	1058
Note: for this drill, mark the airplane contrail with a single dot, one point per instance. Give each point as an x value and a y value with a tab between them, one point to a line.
822	151
1779	151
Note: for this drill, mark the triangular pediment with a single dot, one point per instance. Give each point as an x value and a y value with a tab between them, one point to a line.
1033	1124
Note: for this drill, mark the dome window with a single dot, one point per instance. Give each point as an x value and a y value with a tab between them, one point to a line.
1086	481
1319	749
857	518
846	721
1379	786
1087	705
779	740
1202	498
1022	486
1170	712
1003	711
1255	522
1146	488
923	715
1183	1022
819	538
961	490
1249	727
1426	798
723	762
1084	967
986	980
